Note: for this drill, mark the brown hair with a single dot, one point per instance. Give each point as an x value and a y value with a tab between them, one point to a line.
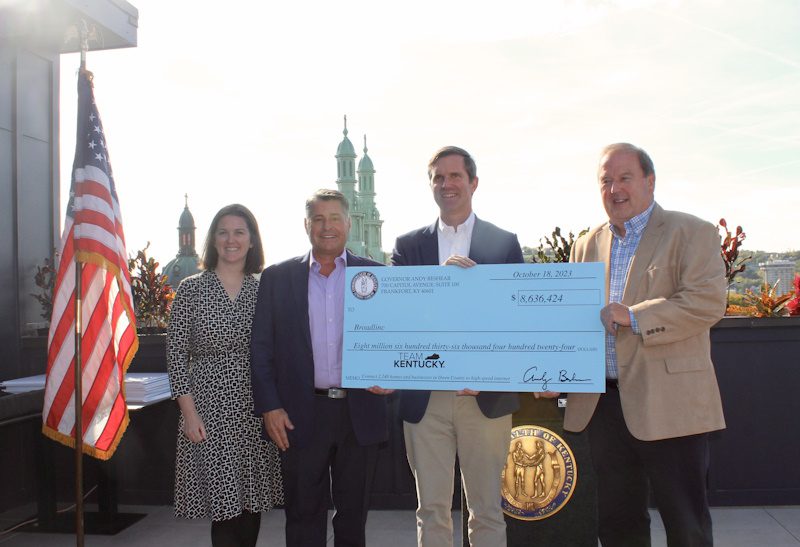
469	163
254	262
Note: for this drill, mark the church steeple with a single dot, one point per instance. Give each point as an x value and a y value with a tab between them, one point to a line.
372	222
366	174
346	163
186	262
186	229
365	220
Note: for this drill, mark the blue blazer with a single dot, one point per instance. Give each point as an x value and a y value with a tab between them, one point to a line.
490	245
282	359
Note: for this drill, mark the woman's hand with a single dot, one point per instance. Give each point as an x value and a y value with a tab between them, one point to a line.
193	426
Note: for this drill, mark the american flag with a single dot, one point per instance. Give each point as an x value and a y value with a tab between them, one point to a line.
92	236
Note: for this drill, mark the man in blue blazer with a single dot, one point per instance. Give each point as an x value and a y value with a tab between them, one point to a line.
440	424
327	435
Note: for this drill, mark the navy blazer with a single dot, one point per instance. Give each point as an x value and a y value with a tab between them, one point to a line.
282	359
489	245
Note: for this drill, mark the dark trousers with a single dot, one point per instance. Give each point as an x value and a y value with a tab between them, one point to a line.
240	531
332	464
676	469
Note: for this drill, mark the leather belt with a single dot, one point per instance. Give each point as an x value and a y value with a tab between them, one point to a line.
331	392
612	383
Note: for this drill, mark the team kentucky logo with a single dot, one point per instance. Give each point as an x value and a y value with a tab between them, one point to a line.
539	476
364	285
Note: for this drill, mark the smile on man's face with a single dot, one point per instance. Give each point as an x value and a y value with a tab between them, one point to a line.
625	189
327	228
452	189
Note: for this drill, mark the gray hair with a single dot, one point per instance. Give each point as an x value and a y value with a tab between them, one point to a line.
325	194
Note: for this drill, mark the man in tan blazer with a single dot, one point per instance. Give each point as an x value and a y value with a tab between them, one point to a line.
666	288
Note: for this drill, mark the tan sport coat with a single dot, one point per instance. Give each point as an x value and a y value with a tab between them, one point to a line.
676	289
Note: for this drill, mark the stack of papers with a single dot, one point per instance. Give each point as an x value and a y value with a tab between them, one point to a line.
22	385
141	388
146	387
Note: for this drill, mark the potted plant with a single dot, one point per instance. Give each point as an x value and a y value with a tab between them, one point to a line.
766	303
559	247
152	295
734	264
793	305
45	280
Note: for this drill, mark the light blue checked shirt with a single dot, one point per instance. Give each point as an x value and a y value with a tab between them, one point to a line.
622	251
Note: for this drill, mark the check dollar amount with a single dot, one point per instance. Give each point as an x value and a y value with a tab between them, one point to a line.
538	298
509	327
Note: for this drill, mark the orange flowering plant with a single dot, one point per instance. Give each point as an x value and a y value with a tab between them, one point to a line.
793	305
152	295
767	303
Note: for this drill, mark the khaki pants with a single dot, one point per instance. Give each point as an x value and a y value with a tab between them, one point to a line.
454	424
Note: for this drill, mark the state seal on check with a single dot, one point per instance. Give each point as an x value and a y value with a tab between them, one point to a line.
539	476
364	285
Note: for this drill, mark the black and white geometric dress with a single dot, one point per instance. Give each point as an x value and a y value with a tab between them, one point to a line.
208	356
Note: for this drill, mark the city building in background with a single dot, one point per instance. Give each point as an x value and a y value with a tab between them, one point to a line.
365	232
780	272
186	262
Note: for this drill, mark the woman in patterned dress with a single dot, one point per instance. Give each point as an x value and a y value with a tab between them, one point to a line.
225	469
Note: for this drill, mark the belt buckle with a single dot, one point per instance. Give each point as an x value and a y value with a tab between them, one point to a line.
336	393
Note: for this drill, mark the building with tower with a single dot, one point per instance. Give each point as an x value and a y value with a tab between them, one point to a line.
186	262
365	232
780	272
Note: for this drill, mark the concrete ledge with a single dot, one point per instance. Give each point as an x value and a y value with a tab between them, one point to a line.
53	24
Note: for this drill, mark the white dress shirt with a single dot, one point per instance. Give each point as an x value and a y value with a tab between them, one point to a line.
455	240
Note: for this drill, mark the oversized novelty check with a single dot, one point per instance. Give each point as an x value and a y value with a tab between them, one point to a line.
499	327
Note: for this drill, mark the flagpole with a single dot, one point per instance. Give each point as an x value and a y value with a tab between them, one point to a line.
79	532
78	410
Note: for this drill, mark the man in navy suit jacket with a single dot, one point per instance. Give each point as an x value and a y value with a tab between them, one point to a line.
327	435
440	424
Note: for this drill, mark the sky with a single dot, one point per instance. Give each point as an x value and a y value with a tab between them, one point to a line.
242	101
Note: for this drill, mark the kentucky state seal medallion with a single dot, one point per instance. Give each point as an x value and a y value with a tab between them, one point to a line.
539	476
364	285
